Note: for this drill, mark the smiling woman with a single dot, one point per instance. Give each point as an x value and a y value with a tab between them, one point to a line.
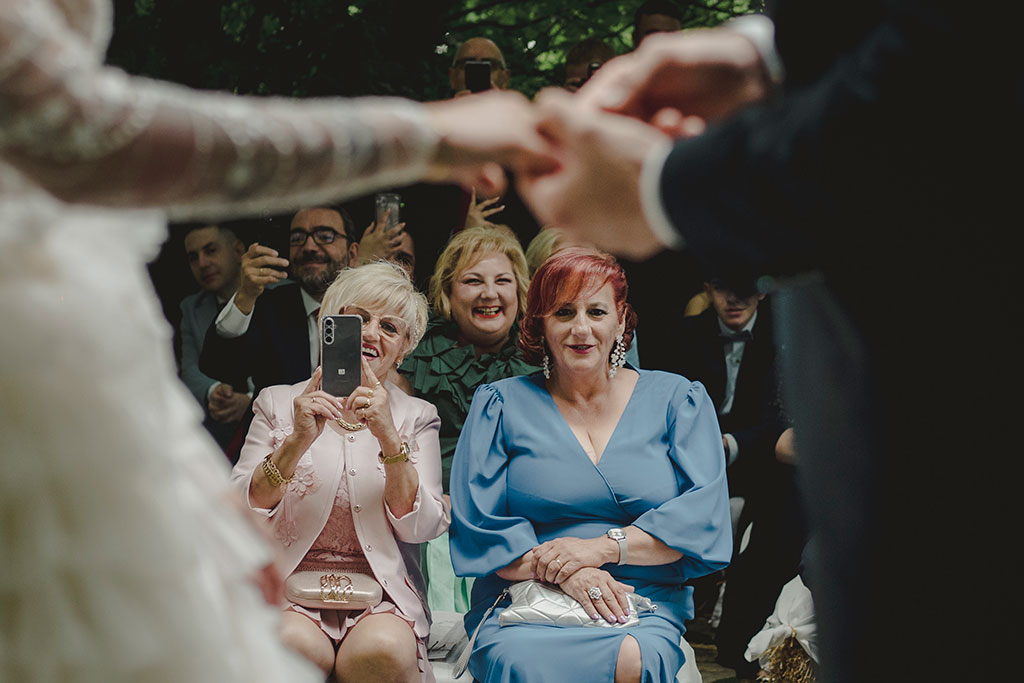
596	477
478	292
378	464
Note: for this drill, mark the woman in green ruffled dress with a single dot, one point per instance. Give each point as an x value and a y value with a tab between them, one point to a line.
478	292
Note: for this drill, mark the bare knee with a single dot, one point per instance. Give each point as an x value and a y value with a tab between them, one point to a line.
628	667
301	634
379	648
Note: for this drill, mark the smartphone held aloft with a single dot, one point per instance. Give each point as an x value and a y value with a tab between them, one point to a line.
341	343
388	205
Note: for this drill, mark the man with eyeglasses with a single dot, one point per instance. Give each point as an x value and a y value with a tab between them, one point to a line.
271	334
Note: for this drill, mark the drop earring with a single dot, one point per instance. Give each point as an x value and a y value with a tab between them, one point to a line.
547	362
618	357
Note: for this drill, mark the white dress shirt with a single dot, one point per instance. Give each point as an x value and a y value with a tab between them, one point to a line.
733	357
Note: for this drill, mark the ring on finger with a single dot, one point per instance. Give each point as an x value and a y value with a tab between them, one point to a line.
367	404
369	394
376	384
558	561
594	593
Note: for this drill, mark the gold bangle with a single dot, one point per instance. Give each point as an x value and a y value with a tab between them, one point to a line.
401	456
273	475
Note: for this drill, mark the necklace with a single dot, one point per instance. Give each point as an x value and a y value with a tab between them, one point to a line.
349	426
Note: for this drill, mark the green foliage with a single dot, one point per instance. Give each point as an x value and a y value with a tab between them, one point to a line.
366	47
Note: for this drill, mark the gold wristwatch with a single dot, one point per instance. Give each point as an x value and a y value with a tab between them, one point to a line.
401	456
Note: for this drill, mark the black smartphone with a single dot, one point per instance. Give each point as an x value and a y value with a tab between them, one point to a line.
341	352
478	75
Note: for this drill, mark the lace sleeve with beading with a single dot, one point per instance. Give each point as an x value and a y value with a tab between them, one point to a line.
89	133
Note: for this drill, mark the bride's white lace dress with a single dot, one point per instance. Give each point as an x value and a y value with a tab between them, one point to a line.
119	559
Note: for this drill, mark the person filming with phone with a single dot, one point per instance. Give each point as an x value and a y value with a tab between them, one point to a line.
269	332
478	66
350	485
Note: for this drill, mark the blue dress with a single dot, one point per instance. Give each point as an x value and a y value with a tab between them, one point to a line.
520	478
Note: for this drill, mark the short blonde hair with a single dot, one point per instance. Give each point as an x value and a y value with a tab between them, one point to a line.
465	249
379	286
541	247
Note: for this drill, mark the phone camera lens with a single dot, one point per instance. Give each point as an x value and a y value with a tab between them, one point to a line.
328	338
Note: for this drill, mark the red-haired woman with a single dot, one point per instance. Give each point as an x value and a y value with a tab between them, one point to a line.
594	476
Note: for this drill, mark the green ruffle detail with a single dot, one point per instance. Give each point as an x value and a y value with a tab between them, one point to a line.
447	374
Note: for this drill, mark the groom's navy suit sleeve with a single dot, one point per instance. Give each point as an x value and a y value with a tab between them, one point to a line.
274	350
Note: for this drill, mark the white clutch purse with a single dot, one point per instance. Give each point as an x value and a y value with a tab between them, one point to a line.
321	589
534	602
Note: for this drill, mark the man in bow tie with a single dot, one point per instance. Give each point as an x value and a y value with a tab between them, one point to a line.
729	348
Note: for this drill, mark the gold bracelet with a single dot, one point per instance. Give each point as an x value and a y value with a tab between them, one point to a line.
273	475
401	456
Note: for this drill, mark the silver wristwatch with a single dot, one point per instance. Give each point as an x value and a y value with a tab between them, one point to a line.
619	536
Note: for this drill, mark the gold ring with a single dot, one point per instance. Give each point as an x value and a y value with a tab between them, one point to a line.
367	404
558	561
369	394
376	384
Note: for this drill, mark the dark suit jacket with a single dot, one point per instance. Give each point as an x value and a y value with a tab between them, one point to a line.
692	348
198	311
274	350
863	173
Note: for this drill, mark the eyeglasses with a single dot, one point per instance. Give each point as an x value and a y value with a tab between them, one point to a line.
390	326
298	238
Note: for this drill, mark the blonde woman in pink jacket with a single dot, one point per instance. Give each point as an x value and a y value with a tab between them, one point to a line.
358	497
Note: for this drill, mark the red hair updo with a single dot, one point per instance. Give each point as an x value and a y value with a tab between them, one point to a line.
562	278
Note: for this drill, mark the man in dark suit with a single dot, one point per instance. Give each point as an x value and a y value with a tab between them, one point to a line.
214	256
730	349
874	176
271	335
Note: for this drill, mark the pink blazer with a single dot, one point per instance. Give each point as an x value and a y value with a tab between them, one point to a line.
301	515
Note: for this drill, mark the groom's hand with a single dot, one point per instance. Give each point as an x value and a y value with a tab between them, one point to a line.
594	195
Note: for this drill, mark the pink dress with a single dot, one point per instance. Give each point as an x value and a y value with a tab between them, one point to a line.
337	548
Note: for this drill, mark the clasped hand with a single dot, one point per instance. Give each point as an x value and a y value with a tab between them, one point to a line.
369	402
573	564
557	559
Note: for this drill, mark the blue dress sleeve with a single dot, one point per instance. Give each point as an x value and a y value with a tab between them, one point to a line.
697	522
483	536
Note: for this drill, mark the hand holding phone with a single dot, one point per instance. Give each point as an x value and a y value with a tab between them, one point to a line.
478	75
260	267
388	205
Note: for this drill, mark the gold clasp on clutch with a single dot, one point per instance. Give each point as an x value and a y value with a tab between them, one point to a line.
335	588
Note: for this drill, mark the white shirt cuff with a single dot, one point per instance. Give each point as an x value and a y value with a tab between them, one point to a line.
232	322
734	448
759	30
650	197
